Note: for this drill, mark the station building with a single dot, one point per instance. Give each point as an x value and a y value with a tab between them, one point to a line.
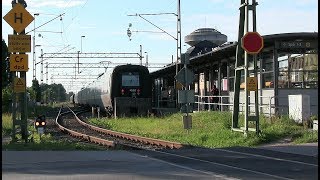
287	65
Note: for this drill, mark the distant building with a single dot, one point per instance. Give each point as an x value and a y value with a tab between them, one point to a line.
205	34
204	40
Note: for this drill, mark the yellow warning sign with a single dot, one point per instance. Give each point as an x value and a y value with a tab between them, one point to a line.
18	62
19	85
252	84
18	18
19	43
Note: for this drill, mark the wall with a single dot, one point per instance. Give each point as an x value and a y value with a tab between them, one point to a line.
283	99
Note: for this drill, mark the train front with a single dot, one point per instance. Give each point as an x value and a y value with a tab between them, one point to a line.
131	91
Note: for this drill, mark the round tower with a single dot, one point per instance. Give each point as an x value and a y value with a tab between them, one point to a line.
208	34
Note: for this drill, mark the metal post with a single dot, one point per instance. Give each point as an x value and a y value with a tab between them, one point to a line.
228	79
178	48
41	66
219	84
140	55
47	72
78	62
81	42
24	113
115	108
239	60
261	82
14	109
146	59
246	26
98	112
34	46
275	78
256	102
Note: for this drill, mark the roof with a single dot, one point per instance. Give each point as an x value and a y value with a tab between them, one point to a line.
229	51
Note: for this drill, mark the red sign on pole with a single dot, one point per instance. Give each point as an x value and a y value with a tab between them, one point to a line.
252	42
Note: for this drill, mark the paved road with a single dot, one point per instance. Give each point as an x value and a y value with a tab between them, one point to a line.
308	149
90	165
83	165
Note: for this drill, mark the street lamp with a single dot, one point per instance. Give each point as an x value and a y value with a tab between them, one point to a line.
178	38
35	62
34	46
81	42
146	58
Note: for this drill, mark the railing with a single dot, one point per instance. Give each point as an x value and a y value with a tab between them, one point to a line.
205	100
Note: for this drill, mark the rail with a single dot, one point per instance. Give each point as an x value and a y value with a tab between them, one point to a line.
80	135
146	140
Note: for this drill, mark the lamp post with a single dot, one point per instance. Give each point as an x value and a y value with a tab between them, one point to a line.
178	38
146	58
81	42
34	46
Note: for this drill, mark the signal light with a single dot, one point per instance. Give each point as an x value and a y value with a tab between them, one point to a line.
43	123
138	91
122	91
37	123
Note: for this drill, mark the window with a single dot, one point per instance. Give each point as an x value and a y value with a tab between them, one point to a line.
298	71
130	79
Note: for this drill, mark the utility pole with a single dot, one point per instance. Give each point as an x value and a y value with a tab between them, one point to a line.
242	65
177	38
19	18
34	47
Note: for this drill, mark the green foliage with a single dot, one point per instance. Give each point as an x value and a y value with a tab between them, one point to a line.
209	129
36	90
53	93
307	137
6	99
49	144
6	124
5	71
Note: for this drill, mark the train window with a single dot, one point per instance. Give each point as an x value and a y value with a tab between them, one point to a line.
130	79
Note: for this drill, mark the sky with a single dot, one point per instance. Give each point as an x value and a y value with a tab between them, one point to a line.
104	24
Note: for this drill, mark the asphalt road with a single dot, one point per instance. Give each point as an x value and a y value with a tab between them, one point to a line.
196	163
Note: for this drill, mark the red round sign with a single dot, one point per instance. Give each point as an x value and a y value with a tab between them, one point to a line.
252	42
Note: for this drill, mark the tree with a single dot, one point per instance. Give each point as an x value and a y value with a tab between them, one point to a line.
6	99
53	92
5	68
37	90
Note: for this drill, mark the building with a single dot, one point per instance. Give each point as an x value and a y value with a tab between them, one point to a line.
288	64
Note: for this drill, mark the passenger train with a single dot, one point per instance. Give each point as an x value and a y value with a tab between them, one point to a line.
126	91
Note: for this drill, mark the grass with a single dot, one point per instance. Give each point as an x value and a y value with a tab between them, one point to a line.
6	124
209	129
47	142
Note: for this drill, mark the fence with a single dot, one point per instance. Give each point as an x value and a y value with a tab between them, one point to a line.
224	104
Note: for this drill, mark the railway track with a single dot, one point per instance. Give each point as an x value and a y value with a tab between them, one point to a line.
69	122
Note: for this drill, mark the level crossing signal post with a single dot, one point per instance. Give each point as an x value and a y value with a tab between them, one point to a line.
18	44
185	77
248	43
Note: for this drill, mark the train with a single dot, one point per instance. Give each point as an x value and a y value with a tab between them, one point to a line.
124	91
